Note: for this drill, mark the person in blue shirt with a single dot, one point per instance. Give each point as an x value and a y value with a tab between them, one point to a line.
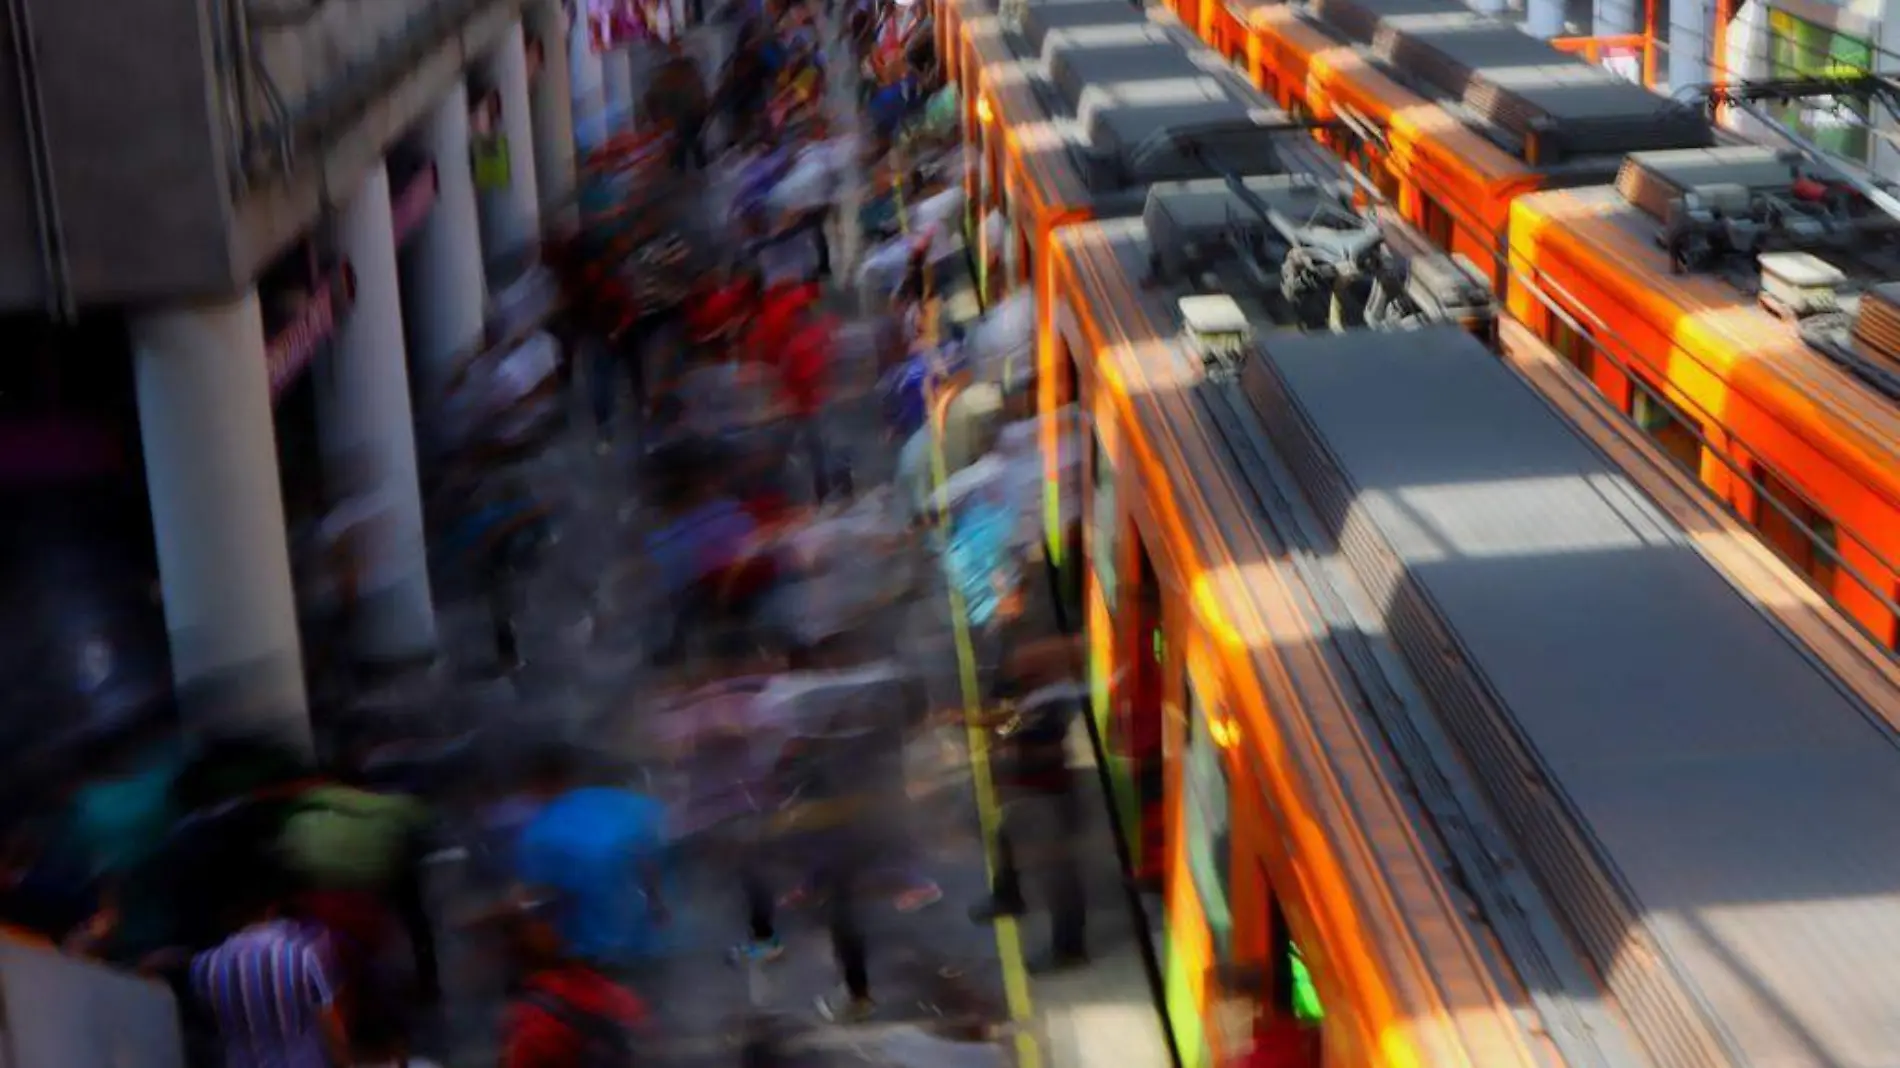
597	853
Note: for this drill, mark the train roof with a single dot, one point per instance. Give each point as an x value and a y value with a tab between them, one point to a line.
1824	340
1707	805
1706	802
1535	967
1043	18
1295	252
1551	109
1104	105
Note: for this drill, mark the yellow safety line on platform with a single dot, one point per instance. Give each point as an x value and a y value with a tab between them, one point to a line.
1009	943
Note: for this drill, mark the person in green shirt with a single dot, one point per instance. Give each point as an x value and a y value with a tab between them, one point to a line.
343	839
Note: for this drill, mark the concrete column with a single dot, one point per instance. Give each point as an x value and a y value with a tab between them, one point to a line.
553	106
587	76
617	78
1688	44
1611	17
369	443
1544	18
443	287
218	514
511	215
1487	7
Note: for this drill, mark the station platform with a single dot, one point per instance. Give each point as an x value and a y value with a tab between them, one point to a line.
950	992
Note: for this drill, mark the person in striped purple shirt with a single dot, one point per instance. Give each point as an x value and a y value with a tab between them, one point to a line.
271	990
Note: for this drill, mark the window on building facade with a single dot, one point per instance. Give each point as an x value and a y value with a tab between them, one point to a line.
1798	48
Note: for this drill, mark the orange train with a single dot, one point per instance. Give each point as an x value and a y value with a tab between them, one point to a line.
1311	916
1429	101
1367	582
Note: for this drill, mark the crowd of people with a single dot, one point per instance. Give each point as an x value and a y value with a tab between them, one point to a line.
286	906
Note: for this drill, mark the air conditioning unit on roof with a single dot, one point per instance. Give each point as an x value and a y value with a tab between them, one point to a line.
1217	328
1796	285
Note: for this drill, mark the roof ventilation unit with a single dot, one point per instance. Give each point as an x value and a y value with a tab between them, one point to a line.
1218	329
1796	285
1877	327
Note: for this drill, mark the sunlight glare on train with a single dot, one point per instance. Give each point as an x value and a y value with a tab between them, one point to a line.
1425	119
1215	589
1037	136
1112	36
1163	365
1544	76
1409	25
1454	521
1153	92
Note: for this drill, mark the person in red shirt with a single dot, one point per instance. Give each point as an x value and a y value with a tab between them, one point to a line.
564	1013
722	309
798	341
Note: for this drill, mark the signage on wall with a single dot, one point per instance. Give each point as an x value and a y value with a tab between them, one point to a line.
410	208
614	24
312	327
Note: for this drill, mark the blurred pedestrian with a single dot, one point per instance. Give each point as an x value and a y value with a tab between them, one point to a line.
271	987
564	1012
658	280
597	852
359	854
677	99
1044	811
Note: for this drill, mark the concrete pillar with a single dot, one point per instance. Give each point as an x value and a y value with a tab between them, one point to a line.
1544	18
1688	44
553	107
1487	7
511	214
204	401
617	78
443	287
369	443
587	77
1610	17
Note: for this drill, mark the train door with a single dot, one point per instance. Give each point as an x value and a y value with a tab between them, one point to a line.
1200	922
1103	543
1137	767
1066	434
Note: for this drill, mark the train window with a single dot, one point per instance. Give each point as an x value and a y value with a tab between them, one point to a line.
1206	805
1679	435
1435	221
1796	529
1574	344
1107	521
1294	995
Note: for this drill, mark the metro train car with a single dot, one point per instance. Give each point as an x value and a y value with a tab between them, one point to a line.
1429	100
1075	106
1313	909
1453	113
1730	301
1475	756
1088	104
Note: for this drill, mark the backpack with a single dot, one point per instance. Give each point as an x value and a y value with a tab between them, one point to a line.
603	1044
